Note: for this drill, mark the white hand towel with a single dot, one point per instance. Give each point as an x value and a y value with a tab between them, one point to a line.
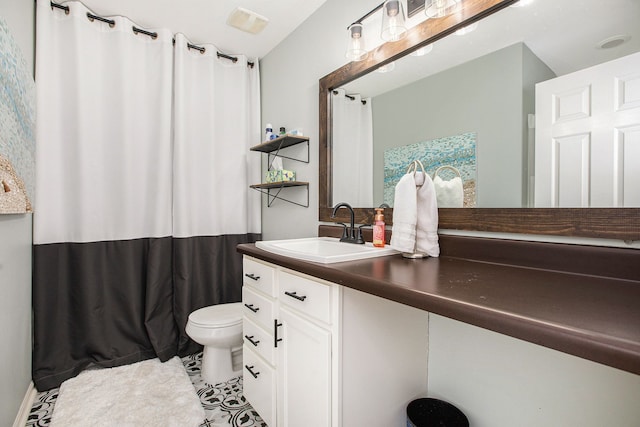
427	213
403	237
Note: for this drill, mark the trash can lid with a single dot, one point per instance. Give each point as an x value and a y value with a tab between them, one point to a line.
430	412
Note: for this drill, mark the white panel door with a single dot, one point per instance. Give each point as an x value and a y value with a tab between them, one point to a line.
304	372
587	151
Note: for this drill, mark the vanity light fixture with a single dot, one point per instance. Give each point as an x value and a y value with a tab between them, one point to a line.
387	67
393	26
422	51
440	8
466	30
356	49
522	3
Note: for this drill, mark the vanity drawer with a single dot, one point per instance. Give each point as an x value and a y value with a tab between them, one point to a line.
258	307
305	295
259	385
259	276
259	340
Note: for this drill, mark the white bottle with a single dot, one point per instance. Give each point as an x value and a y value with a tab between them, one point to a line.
268	132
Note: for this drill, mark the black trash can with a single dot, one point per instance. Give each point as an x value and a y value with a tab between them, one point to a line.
429	412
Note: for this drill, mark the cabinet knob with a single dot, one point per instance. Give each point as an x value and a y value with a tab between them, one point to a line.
295	295
252	308
252	276
250	369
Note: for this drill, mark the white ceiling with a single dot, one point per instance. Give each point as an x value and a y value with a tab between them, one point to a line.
562	33
204	21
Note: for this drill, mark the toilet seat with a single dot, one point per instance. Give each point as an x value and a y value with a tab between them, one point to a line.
217	316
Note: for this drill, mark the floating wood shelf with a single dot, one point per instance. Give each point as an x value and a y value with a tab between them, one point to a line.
279	143
270	185
272	149
277	187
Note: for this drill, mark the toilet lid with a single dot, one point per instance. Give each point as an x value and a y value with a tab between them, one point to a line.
217	316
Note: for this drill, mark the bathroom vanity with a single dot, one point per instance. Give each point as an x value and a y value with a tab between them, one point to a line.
579	300
320	354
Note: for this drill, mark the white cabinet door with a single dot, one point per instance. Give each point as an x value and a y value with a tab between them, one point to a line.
587	151
259	385
304	372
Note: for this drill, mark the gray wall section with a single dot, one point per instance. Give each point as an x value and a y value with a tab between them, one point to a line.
289	97
290	75
484	96
15	313
15	259
534	71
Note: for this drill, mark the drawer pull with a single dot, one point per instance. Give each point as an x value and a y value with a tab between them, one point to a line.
252	276
250	339
252	308
250	369
294	295
276	340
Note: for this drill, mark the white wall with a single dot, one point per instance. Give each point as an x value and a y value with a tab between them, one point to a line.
514	377
15	258
501	381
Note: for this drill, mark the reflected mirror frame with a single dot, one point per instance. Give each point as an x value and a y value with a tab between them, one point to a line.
607	223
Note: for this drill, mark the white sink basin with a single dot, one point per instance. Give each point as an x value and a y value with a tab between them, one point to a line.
326	250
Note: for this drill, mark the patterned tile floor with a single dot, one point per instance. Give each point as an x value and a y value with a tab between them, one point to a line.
223	403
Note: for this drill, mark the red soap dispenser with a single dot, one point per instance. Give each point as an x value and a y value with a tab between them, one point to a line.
378	229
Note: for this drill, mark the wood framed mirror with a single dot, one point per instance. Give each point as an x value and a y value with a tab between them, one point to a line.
608	223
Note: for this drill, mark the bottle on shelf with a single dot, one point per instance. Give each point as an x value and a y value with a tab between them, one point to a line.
268	134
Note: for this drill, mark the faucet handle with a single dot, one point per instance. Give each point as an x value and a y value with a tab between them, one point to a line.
358	236
345	234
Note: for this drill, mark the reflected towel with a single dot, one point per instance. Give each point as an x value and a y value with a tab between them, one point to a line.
427	213
403	236
450	194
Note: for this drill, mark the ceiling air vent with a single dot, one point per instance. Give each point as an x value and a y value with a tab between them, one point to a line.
247	20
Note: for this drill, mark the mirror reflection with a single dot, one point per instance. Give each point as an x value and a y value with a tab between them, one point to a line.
472	110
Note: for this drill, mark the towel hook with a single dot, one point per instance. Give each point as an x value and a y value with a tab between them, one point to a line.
451	168
414	167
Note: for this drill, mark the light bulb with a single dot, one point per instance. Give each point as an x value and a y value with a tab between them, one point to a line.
356	50
393	27
440	8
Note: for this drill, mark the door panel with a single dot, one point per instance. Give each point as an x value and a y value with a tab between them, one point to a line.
586	151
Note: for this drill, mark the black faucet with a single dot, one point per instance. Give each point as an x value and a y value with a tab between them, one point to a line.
350	234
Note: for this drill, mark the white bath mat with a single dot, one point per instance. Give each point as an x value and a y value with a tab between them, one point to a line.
149	393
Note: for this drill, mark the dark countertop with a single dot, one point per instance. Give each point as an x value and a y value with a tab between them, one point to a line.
590	316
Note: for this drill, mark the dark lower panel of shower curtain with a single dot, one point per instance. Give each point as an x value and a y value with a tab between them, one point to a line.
101	304
207	271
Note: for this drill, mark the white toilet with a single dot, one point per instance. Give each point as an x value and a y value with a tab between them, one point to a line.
219	329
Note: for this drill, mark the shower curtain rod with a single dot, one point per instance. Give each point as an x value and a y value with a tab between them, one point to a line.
153	35
351	97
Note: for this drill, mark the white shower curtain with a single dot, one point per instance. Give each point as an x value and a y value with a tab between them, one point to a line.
133	230
216	121
103	165
352	149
